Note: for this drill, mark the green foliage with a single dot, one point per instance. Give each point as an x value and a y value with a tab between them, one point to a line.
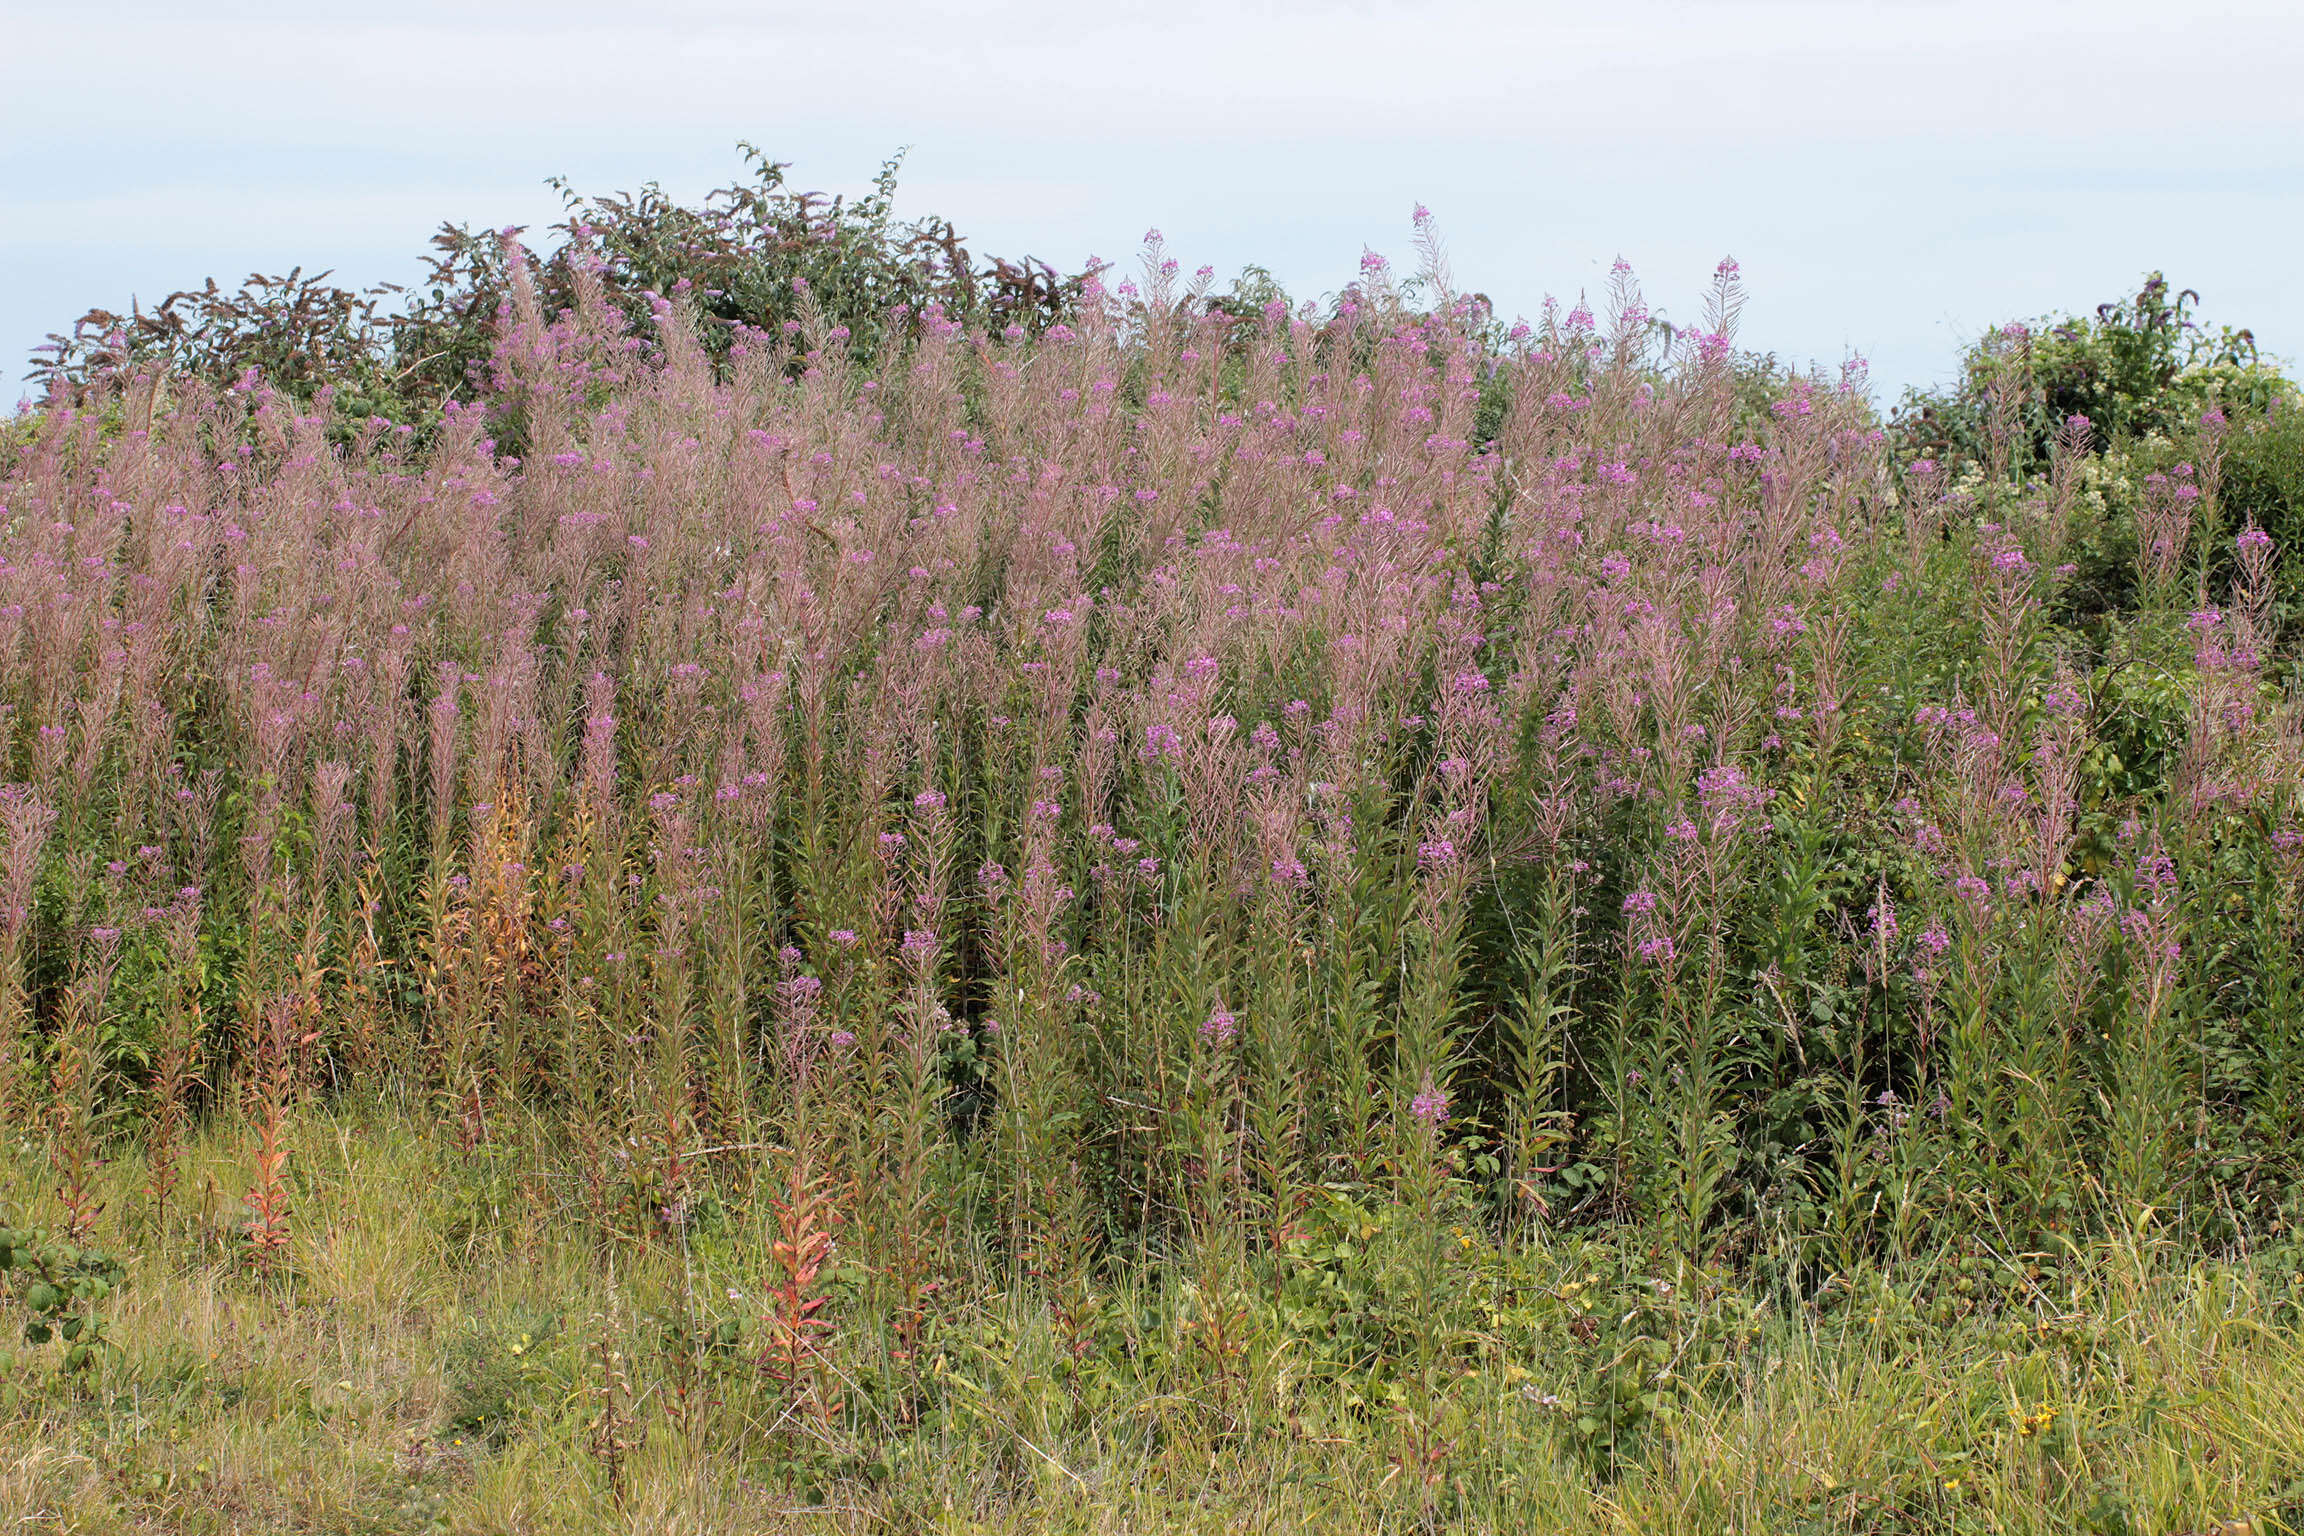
2263	482
297	330
499	1376
754	259
2139	367
60	1286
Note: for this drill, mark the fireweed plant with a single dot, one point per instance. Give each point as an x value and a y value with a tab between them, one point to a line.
1358	882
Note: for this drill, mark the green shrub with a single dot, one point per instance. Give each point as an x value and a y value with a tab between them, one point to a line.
754	256
2264	483
62	1285
2138	367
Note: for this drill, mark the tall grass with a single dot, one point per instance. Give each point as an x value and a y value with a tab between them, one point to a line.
1347	919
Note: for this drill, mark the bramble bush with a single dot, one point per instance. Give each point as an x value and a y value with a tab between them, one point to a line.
1189	883
740	260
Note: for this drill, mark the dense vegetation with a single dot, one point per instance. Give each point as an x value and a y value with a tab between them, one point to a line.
742	261
1146	910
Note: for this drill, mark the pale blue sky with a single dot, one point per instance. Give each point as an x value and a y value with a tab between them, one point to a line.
1893	175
